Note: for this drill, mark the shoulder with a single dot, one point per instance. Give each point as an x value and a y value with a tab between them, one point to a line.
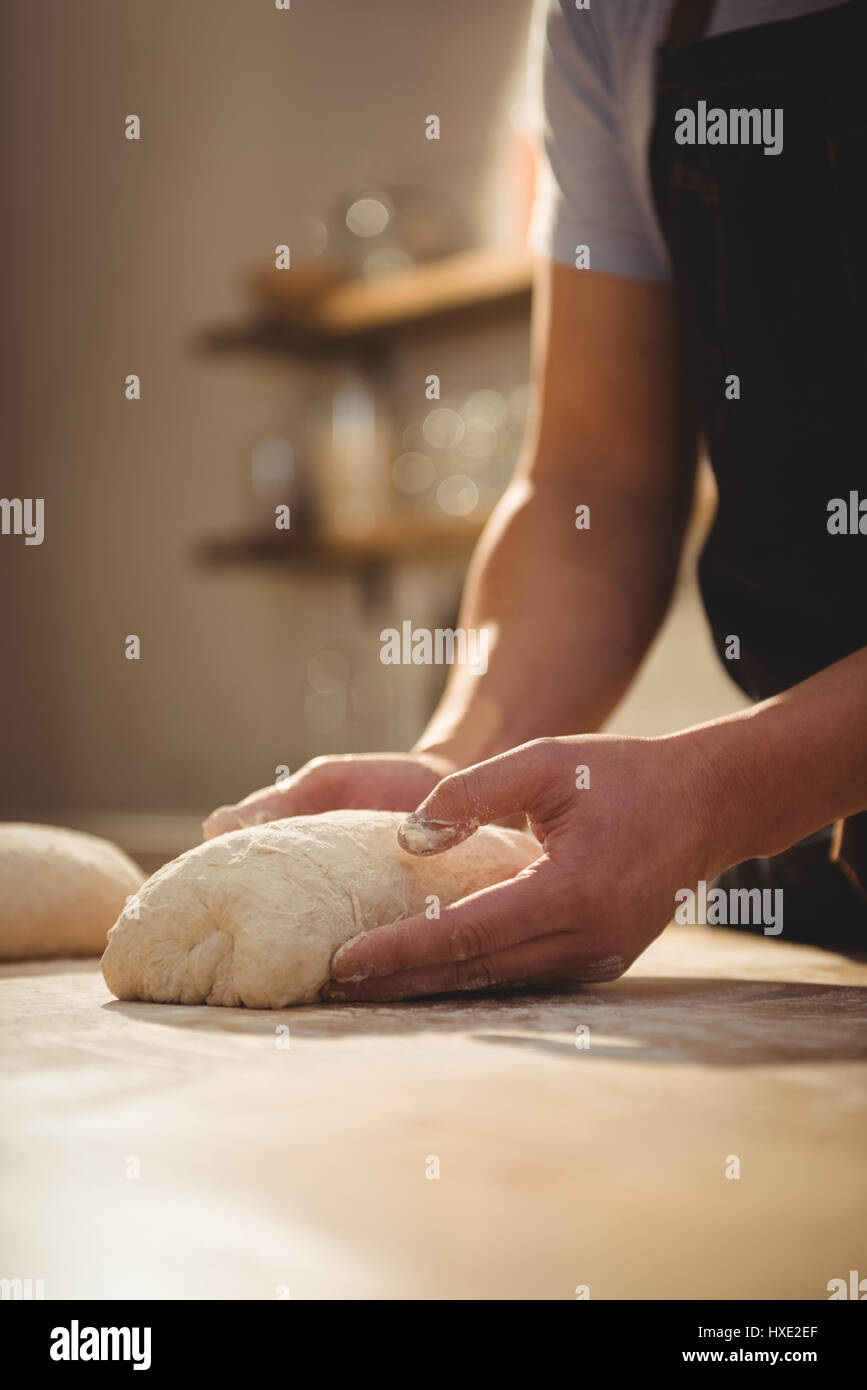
594	71
605	38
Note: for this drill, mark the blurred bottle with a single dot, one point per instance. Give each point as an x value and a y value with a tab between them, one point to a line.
279	481
354	449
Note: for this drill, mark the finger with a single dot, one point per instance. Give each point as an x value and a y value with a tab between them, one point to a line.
302	796
534	903
521	780
554	958
257	808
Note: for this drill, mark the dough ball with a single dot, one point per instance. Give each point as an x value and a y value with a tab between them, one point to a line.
60	891
254	917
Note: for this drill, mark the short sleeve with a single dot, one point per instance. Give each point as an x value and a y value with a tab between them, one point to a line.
587	193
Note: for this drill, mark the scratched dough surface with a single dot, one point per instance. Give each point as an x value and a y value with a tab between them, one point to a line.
254	917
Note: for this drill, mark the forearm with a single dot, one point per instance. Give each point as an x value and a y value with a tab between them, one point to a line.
569	615
788	766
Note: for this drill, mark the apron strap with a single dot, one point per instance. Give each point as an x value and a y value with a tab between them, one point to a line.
688	21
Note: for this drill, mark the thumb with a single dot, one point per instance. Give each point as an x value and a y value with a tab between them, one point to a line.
510	783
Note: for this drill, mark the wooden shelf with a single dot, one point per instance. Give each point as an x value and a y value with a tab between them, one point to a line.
309	310
312	311
354	307
395	539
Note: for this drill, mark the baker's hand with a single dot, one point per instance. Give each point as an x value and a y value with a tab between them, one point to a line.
614	851
362	781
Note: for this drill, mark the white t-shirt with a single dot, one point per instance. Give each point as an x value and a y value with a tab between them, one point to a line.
597	73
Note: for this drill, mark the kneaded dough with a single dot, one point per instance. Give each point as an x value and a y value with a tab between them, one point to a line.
253	917
60	891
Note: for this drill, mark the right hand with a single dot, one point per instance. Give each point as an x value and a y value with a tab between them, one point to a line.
357	781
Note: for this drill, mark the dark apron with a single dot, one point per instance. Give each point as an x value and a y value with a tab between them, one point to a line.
768	256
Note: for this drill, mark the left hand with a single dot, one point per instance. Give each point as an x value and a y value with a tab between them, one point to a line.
612	857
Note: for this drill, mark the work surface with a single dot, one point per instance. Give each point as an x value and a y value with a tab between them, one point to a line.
272	1170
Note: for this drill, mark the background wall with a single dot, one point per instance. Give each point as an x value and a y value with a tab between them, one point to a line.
120	253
